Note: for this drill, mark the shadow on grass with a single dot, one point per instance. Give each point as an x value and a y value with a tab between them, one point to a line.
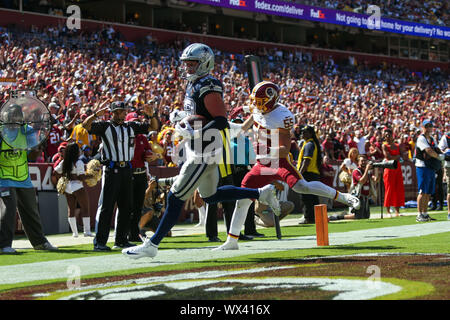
359	248
190	242
310	260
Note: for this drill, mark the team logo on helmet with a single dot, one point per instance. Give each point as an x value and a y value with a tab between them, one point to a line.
265	96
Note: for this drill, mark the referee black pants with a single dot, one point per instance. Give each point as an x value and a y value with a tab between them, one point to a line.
310	200
211	215
139	186
116	188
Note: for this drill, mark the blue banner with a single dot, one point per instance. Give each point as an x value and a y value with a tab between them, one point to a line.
345	18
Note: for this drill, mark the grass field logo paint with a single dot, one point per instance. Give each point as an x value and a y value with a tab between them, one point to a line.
225	284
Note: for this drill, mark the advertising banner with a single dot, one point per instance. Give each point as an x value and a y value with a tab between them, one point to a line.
346	18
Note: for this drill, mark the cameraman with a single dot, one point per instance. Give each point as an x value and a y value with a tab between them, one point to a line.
361	181
428	161
361	177
444	145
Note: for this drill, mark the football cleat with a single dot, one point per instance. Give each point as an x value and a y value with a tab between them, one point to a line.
147	249
352	201
268	196
228	245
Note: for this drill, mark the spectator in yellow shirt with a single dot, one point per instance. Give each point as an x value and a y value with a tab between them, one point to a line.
80	135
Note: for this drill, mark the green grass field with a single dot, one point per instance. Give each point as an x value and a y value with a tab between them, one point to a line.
406	263
197	241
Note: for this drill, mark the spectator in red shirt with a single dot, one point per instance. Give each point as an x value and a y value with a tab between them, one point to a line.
404	143
328	146
56	159
351	143
142	154
53	142
375	151
60	155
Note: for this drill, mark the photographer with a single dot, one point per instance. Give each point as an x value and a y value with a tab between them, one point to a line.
428	161
361	177
361	180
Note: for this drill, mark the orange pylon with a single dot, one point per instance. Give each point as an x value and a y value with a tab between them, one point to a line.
320	212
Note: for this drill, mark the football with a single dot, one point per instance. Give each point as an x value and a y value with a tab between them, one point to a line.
196	121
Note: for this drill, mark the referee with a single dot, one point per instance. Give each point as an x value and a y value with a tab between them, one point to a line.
118	138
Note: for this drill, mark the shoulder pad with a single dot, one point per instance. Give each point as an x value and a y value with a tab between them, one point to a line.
209	84
285	118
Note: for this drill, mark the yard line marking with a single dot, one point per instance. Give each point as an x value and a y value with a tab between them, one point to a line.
49	270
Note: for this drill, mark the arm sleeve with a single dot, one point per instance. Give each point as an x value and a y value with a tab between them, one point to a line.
140	128
309	150
98	127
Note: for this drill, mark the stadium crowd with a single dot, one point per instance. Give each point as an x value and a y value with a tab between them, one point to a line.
347	101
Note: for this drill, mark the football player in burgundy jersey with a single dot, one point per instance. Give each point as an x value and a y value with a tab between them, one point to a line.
272	123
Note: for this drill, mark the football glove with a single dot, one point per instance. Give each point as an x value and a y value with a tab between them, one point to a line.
185	130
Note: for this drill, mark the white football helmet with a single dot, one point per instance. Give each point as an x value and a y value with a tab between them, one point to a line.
203	55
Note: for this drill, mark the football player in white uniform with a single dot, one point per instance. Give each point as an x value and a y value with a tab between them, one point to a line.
272	123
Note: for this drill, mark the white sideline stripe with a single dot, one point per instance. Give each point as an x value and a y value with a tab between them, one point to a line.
62	269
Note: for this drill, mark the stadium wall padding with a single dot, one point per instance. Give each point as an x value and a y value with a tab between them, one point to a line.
40	174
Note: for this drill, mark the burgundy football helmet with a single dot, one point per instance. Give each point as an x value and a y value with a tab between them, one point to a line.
265	96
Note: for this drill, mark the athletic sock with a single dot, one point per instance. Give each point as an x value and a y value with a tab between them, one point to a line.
73	225
239	216
231	238
86	225
169	219
341	197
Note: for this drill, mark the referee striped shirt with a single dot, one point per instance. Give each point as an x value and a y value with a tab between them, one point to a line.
118	139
